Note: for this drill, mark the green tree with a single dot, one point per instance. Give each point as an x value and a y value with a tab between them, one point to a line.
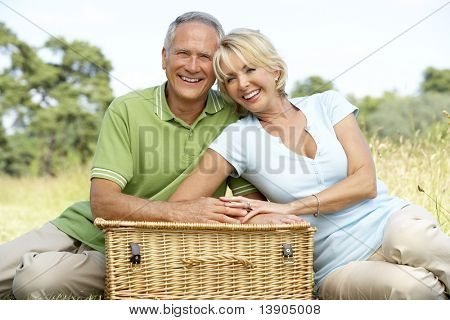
57	102
311	85
368	105
436	80
407	116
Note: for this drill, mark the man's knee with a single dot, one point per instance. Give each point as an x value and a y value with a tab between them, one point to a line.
35	277
55	274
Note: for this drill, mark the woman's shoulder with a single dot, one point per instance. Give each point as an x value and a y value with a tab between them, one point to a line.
321	98
244	121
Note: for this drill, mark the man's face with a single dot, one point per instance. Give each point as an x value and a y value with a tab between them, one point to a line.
188	63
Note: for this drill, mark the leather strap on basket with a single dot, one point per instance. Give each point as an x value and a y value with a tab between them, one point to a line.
190	262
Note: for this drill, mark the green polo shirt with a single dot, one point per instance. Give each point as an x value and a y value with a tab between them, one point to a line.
148	152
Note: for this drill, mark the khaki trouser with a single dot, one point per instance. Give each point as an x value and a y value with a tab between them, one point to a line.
47	263
412	263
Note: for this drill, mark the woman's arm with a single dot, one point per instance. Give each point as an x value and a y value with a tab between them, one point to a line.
359	185
211	171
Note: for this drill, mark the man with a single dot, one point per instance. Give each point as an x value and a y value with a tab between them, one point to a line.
149	141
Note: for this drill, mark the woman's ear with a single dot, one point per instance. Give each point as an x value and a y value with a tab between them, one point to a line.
276	75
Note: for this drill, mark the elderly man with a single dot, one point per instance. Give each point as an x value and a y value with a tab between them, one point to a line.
149	141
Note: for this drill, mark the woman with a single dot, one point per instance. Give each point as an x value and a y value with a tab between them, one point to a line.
309	158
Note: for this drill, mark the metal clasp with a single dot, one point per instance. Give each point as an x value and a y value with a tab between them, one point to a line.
135	253
288	252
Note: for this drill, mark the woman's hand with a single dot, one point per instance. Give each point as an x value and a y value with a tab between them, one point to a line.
273	218
256	207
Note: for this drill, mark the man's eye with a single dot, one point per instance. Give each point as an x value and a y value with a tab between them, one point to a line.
182	54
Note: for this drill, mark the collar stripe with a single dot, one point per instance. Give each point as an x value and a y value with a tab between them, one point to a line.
160	102
213	98
157	102
216	101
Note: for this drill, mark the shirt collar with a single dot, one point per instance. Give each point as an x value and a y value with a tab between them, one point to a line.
214	104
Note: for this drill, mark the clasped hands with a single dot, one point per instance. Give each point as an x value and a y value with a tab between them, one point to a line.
261	212
235	210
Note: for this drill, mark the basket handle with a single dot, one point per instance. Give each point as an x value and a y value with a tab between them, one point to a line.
195	261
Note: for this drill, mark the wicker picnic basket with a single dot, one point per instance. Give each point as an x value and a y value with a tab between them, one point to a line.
158	260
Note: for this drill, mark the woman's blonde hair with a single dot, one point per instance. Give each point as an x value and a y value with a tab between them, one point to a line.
254	49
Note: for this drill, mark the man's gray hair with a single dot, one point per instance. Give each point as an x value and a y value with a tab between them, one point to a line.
193	16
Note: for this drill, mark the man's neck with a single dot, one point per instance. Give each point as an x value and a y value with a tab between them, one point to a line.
186	110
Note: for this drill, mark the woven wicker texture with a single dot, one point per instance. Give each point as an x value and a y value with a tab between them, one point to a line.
207	261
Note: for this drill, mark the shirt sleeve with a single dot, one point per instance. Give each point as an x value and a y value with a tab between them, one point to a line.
240	186
337	106
230	146
113	160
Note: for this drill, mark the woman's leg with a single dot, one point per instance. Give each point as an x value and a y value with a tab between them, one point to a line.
413	263
412	237
380	280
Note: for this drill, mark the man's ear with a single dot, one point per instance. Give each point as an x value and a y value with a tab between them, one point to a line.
164	57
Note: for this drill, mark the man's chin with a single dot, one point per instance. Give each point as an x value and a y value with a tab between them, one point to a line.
193	94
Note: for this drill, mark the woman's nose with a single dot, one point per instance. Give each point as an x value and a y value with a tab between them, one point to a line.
243	82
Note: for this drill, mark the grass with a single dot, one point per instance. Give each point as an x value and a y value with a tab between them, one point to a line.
29	202
418	171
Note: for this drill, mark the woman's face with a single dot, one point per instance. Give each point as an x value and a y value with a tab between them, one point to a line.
254	88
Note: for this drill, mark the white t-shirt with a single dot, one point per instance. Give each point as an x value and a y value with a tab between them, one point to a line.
283	176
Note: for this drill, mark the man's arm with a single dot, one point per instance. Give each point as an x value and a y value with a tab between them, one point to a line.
108	202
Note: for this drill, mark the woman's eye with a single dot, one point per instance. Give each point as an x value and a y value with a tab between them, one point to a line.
251	70
229	79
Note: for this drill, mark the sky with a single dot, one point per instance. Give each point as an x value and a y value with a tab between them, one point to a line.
318	37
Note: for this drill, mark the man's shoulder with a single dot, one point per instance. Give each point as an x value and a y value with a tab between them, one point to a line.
135	97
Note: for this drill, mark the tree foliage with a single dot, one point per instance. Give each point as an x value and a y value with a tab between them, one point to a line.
436	80
55	96
311	85
368	105
407	116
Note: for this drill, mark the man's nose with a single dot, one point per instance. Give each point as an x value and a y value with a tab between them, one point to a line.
192	65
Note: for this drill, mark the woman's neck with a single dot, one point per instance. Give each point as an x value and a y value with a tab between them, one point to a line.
278	111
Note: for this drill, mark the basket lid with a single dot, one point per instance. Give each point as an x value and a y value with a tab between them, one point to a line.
105	224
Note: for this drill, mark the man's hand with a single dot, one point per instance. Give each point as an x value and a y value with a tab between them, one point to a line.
273	218
204	210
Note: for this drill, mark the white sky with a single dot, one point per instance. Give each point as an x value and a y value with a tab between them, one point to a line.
322	37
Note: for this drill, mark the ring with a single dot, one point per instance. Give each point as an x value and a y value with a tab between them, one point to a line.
248	205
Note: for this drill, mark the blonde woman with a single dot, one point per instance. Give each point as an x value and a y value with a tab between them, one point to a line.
310	159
